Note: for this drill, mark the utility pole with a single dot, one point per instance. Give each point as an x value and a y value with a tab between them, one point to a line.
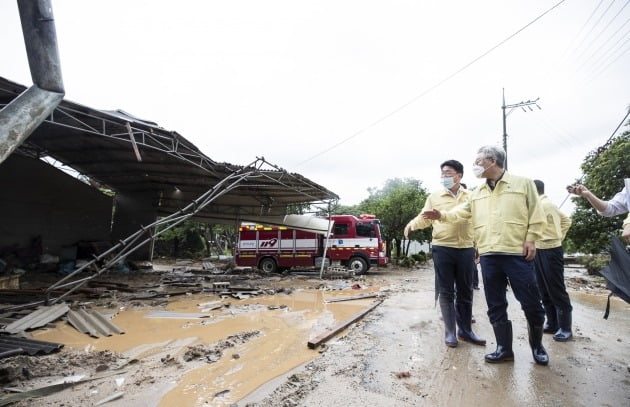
522	105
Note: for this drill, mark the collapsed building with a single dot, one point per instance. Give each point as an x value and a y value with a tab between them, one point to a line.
130	179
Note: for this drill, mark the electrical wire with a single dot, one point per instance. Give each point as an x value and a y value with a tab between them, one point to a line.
595	25
607	141
603	66
431	88
583	27
605	28
608	41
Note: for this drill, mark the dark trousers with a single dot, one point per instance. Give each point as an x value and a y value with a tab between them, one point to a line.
454	273
496	270
549	266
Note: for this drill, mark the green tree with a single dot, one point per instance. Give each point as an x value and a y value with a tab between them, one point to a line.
604	171
395	205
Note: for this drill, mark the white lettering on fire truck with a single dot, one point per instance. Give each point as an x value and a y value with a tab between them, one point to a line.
269	243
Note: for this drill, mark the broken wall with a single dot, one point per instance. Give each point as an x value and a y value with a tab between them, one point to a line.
40	200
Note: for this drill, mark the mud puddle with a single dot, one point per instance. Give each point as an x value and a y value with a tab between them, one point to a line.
283	324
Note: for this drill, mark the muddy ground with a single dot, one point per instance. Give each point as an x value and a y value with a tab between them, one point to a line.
252	352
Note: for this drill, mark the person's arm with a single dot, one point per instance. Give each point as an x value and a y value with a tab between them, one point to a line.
565	224
626	229
536	221
581	190
419	222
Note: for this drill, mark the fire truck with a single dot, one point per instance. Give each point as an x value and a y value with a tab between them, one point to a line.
352	242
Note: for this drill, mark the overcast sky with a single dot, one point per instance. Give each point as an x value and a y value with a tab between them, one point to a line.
352	93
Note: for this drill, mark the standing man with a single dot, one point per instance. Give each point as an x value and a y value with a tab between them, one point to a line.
507	221
453	257
618	205
549	265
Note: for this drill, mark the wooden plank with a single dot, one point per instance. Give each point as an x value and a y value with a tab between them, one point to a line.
315	342
354	297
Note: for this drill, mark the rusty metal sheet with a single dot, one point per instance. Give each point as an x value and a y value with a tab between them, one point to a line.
92	323
37	318
10	345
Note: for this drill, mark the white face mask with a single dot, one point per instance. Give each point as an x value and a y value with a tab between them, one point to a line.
478	170
447	182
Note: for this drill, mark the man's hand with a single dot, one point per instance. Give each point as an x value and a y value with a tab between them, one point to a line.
432	214
577	189
406	232
626	233
529	250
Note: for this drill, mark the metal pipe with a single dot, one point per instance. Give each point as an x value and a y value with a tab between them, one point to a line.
20	118
40	38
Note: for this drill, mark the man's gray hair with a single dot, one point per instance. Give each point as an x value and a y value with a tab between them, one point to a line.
493	152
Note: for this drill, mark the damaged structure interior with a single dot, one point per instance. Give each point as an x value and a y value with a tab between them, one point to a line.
77	177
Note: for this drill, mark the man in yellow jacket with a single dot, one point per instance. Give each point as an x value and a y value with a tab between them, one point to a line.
453	257
507	220
549	265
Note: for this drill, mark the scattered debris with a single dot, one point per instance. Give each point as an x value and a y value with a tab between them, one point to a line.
176	315
315	342
37	318
354	297
10	346
107	399
92	323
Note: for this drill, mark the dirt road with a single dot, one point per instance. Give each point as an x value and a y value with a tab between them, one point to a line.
403	337
252	352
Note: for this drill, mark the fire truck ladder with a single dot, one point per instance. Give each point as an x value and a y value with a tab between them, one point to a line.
106	260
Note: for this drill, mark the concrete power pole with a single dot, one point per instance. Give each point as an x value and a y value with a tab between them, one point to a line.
504	107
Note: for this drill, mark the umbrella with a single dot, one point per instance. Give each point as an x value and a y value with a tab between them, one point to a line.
617	273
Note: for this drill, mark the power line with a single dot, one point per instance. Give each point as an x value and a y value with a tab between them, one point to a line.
602	70
426	91
584	25
595	24
605	53
599	149
604	29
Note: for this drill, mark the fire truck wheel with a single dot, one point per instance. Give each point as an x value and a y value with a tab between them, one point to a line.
358	265
268	265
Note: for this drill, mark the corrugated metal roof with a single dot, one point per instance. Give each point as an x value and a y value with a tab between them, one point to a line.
37	318
100	144
10	345
92	323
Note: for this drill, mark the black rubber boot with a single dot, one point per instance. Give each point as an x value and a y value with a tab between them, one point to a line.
564	323
503	335
464	321
448	315
535	341
551	326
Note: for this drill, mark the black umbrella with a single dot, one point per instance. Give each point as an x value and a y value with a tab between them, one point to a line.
617	273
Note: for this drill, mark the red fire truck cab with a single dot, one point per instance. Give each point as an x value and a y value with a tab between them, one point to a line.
354	242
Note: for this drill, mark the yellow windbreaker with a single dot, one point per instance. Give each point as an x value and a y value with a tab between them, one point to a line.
457	235
503	218
557	225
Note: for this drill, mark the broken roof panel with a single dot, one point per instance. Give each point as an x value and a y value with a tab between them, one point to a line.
132	155
92	323
37	318
11	345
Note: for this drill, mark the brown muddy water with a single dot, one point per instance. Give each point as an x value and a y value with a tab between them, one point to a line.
285	322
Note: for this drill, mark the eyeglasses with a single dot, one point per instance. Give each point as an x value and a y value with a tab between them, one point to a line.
449	174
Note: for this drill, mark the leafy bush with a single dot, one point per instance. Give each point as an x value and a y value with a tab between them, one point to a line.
404	261
594	264
420	257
